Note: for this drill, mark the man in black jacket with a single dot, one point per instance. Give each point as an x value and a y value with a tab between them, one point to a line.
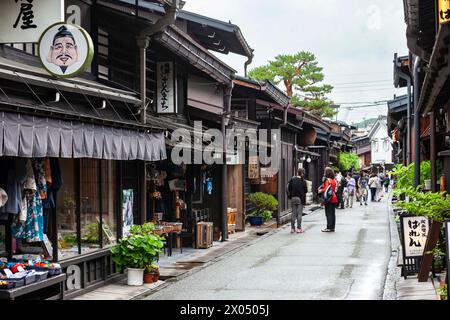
296	190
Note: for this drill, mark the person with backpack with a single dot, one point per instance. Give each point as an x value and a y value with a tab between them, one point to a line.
363	184
297	190
328	191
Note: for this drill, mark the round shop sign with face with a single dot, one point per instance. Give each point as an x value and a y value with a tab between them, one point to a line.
65	50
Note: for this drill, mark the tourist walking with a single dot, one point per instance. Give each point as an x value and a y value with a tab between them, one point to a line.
380	188
386	184
296	190
356	177
329	202
373	186
351	188
363	185
341	184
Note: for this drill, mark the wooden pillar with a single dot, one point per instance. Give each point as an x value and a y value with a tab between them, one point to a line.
433	153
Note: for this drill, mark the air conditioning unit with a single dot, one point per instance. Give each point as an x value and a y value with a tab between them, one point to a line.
204	235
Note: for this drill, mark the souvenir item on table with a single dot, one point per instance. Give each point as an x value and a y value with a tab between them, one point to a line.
6	285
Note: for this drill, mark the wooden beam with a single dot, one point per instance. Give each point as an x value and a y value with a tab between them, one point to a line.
427	260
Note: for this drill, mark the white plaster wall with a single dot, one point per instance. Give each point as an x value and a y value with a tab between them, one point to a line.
381	154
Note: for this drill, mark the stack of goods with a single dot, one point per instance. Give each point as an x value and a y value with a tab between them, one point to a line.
16	274
176	226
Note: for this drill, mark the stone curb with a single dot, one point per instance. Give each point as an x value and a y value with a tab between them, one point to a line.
393	273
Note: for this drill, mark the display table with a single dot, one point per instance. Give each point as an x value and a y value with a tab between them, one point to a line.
12	294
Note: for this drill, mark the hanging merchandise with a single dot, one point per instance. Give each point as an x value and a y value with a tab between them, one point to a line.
39	173
209	185
3	197
160	179
32	229
13	183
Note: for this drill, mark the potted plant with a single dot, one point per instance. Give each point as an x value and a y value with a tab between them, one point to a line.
265	205
151	273
442	291
136	252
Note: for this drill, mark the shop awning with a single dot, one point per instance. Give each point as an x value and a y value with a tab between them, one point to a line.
36	137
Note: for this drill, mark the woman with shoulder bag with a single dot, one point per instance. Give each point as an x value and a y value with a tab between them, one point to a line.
330	199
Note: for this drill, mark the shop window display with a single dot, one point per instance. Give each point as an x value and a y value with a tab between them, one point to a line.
90	205
97	194
109	196
66	208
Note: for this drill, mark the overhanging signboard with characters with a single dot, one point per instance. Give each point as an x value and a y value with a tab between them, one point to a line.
166	87
443	11
23	21
65	50
415	231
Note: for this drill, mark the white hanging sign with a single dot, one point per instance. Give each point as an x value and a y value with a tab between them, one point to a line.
166	88
23	21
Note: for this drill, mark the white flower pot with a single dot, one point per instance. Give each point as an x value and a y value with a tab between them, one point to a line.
135	277
427	184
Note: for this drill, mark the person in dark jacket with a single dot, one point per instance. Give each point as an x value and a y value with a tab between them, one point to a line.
297	190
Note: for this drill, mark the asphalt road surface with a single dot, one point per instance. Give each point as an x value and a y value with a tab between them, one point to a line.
348	264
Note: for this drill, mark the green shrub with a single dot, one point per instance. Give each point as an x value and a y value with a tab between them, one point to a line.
265	204
432	205
266	215
137	251
404	175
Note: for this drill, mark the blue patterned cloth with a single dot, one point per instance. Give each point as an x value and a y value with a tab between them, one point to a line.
33	229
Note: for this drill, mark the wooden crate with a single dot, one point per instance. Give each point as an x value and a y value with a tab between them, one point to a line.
204	235
232	220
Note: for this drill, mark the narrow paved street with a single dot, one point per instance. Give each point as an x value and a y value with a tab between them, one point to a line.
348	264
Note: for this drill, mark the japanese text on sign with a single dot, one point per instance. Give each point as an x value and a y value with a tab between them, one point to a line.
26	13
166	88
444	11
24	21
415	233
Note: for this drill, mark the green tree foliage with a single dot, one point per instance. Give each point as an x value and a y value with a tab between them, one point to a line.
302	78
348	161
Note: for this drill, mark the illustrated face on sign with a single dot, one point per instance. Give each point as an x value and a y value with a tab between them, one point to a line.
64	51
